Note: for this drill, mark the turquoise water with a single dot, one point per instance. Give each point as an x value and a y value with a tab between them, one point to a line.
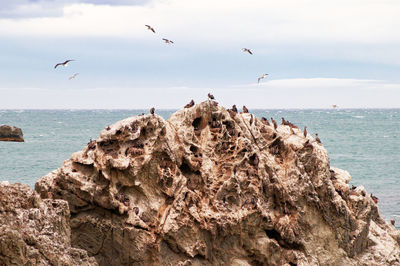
364	142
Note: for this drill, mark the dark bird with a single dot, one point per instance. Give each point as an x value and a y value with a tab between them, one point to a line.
265	121
73	76
64	63
246	50
284	121
374	198
234	108
210	96
260	78
251	119
317	138
245	110
167	41
305	132
152	110
274	122
150	28
190	104
108	128
392	221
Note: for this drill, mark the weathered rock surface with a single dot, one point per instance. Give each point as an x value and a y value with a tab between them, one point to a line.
212	187
8	133
35	231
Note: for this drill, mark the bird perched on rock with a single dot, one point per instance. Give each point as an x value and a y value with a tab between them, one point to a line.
190	104
251	119
265	121
150	28
108	128
274	123
292	131
392	221
210	96
260	78
167	41
245	110
284	121
305	132
65	63
152	110
246	50
234	108
317	138
374	198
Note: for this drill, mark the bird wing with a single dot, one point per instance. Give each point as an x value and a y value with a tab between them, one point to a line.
57	65
249	52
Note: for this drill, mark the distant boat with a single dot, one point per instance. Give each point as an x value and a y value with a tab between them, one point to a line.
335	106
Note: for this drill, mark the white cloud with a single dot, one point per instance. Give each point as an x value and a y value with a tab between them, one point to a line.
254	21
274	94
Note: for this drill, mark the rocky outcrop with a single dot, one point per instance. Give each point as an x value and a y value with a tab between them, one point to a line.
213	187
35	231
8	133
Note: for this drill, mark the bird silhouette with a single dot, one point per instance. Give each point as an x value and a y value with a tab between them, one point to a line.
245	110
262	76
167	41
152	110
234	108
305	132
190	104
317	139
64	63
73	76
247	50
210	96
150	28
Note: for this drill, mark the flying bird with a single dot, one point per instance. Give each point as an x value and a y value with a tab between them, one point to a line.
247	50
260	78
64	63
73	76
150	28
167	41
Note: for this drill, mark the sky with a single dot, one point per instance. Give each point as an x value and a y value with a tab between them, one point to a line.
317	53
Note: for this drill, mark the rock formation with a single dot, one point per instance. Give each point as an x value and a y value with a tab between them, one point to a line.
213	187
8	133
35	231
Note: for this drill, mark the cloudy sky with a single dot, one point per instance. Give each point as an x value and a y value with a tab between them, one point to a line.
316	52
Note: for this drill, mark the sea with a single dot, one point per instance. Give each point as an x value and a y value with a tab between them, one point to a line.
365	142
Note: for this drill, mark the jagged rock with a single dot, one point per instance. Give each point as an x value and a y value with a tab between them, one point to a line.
8	133
213	187
35	231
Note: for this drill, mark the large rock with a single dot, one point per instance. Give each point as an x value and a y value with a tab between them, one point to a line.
35	231
8	133
209	186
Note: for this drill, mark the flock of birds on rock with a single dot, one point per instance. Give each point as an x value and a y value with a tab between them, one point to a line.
167	41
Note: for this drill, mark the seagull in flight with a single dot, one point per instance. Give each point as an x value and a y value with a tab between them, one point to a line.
73	76
167	41
247	50
263	76
150	28
64	63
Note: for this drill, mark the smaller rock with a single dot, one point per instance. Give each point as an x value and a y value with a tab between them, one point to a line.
8	133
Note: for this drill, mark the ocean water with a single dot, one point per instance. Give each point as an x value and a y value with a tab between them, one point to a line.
365	142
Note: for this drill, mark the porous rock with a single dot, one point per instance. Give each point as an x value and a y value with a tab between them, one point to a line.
11	133
213	187
35	231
